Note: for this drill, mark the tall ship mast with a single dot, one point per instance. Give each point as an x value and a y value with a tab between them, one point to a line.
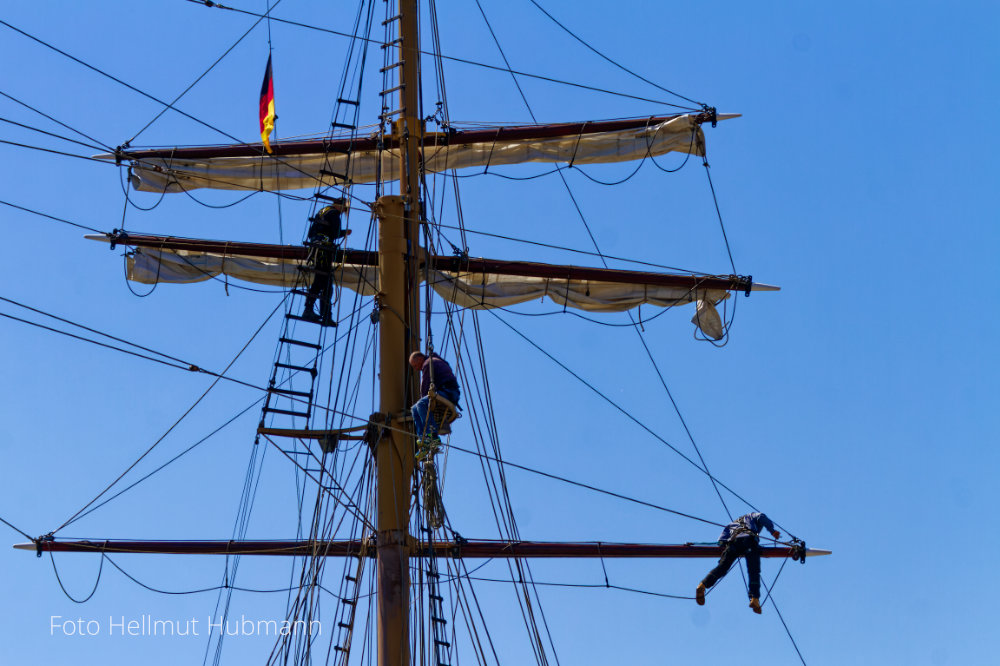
379	505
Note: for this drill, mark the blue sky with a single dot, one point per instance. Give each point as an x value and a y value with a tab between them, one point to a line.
856	406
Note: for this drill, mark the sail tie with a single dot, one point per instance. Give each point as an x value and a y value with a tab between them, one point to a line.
456	550
40	540
576	148
489	158
222	269
798	550
120	153
709	114
603	568
118	236
645	298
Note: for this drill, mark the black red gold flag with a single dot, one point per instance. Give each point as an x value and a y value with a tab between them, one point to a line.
267	114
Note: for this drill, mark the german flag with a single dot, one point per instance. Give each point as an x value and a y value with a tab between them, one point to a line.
267	115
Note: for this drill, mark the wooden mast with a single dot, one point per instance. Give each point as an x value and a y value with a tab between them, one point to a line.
399	332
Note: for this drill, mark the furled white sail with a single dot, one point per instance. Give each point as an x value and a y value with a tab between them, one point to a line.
470	290
279	172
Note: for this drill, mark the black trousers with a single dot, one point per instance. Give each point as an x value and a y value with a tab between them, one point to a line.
322	282
747	547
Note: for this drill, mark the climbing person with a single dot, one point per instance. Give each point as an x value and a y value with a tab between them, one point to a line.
434	368
324	231
740	539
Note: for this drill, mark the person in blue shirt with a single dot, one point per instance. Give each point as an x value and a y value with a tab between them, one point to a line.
445	385
740	539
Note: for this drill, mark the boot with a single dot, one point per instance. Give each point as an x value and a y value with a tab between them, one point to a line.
309	311
699	594
755	605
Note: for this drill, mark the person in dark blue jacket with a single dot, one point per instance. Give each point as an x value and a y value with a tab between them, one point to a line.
445	385
740	539
325	231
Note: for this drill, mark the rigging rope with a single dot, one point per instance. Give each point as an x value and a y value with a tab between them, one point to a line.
51	217
172	460
177	363
203	589
609	586
141	92
621	409
52	134
610	60
604	261
332	412
587	486
334	504
593	239
718	212
102	146
55	152
464	61
18	530
569	249
76	515
113	78
69	596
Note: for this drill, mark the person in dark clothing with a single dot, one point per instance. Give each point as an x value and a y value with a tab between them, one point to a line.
324	231
445	385
740	539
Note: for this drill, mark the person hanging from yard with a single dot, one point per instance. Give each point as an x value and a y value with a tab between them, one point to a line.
434	371
740	539
324	231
